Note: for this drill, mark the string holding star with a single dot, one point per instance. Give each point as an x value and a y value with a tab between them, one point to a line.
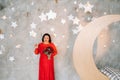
56	1
14	24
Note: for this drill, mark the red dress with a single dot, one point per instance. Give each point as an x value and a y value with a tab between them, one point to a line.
46	66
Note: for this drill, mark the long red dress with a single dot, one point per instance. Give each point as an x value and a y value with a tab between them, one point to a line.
46	66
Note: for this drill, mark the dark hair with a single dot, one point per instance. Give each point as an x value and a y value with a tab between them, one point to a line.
46	34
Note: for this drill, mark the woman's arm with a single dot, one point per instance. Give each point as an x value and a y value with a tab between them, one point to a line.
38	49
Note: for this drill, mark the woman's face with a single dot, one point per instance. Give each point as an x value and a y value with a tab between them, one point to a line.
46	38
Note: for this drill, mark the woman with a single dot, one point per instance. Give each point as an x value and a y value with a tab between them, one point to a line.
47	51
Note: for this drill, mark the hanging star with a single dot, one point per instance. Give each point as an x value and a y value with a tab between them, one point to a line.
43	17
68	46
63	21
104	46
88	7
77	10
51	15
33	25
75	31
13	9
105	13
75	2
78	29
1	52
76	21
2	48
81	5
65	10
52	29
113	41
1	36
32	33
63	36
14	24
11	35
70	17
54	34
27	58
18	46
32	3
4	17
11	58
9	17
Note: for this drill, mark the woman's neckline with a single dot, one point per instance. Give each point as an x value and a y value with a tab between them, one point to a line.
46	43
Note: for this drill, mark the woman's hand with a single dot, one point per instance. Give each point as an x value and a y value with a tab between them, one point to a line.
36	45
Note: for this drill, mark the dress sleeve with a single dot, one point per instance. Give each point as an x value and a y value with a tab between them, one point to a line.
55	50
38	49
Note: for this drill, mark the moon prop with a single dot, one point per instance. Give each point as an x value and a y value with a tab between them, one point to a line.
82	51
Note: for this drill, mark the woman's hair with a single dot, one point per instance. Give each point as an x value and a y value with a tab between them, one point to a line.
46	34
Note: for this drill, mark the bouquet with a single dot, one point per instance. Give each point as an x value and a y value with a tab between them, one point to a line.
48	51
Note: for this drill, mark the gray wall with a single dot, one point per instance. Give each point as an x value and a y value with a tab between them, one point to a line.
25	64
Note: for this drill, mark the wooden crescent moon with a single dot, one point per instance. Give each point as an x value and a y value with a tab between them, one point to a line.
82	51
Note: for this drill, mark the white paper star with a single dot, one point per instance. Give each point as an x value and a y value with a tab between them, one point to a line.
27	58
78	29
75	2
4	17
63	21
1	36
14	24
65	10
32	33
9	17
52	29
33	25
18	46
77	10
68	46
89	19
81	5
11	35
1	52
13	9
11	58
76	21
51	15
54	35
105	13
70	17
104	46
63	36
43	17
88	7
32	3
113	41
75	31
2	48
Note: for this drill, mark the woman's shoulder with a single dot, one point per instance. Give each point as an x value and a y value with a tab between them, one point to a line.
52	43
41	43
